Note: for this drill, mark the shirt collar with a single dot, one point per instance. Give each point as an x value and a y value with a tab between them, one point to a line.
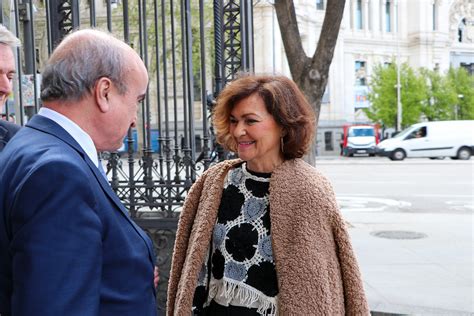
81	137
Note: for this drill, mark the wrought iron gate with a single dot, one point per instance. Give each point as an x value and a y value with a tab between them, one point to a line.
191	49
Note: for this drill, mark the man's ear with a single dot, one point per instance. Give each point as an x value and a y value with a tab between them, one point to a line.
102	90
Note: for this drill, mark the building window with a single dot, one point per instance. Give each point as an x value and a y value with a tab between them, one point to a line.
435	16
388	17
319	4
360	74
469	68
358	18
360	86
328	146
461	29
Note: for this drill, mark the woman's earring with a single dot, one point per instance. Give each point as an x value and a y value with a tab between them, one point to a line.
282	145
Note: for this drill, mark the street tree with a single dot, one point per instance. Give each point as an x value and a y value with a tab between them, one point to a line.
463	85
440	96
383	95
310	72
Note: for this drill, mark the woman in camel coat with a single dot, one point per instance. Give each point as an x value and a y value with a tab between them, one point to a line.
262	234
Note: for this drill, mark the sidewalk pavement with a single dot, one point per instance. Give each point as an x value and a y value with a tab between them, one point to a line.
424	267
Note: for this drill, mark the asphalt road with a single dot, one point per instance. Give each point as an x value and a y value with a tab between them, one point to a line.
412	185
411	225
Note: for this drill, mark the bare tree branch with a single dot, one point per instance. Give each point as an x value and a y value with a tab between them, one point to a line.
324	53
310	74
297	59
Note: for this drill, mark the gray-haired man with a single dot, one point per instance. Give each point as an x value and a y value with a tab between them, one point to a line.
8	42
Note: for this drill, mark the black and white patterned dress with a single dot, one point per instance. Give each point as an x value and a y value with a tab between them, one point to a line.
242	267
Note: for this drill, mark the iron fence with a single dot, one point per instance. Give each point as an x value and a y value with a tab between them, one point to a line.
191	50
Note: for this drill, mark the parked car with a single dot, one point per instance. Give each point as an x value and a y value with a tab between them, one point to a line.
359	139
434	140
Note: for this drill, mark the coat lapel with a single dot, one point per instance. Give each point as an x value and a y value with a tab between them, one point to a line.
113	196
48	126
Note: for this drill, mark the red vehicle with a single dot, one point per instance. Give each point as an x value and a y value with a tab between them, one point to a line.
360	139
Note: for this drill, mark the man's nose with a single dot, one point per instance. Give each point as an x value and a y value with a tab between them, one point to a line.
5	84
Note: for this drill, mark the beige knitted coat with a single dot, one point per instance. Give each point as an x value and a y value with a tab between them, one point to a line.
316	268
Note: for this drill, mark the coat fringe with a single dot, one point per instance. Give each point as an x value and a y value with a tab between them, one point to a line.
247	296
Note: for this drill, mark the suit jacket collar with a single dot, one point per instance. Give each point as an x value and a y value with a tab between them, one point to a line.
48	126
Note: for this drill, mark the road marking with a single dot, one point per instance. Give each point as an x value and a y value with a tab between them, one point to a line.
364	203
460	205
454	196
391	182
469	196
369	204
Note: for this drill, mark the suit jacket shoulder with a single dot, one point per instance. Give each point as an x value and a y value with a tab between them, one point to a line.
64	231
7	130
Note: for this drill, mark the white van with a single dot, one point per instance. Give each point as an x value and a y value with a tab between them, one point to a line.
453	139
359	139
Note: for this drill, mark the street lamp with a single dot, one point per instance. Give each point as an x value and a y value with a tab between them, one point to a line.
399	103
456	107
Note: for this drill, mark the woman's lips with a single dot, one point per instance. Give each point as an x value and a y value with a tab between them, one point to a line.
246	144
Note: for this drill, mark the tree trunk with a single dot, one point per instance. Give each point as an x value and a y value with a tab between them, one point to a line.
310	74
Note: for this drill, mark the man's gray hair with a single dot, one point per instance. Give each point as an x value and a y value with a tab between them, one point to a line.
74	68
7	37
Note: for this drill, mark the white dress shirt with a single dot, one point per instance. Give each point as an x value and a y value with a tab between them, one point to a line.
81	137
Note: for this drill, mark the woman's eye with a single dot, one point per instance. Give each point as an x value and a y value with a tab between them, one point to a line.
251	121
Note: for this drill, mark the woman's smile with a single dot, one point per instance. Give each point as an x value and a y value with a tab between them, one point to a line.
256	133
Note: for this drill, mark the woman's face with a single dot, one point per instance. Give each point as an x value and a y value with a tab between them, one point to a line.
257	134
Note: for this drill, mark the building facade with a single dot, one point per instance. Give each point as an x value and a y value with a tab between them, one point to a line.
434	34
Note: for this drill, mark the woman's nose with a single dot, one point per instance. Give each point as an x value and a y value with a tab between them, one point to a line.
239	130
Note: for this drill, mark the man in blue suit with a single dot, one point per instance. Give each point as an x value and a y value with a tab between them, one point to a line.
67	244
7	130
8	41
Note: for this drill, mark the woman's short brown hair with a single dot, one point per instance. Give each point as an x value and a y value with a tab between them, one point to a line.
283	100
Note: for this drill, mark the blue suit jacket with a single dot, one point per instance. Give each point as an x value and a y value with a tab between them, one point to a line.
67	244
7	130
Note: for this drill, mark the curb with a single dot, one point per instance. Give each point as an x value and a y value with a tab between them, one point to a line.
374	313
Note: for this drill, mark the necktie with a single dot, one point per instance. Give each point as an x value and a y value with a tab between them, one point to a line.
102	171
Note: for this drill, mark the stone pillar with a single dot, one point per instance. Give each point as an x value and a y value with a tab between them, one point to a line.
353	14
383	17
365	15
394	15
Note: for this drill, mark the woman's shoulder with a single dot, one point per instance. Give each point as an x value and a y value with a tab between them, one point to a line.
300	178
297	185
299	170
